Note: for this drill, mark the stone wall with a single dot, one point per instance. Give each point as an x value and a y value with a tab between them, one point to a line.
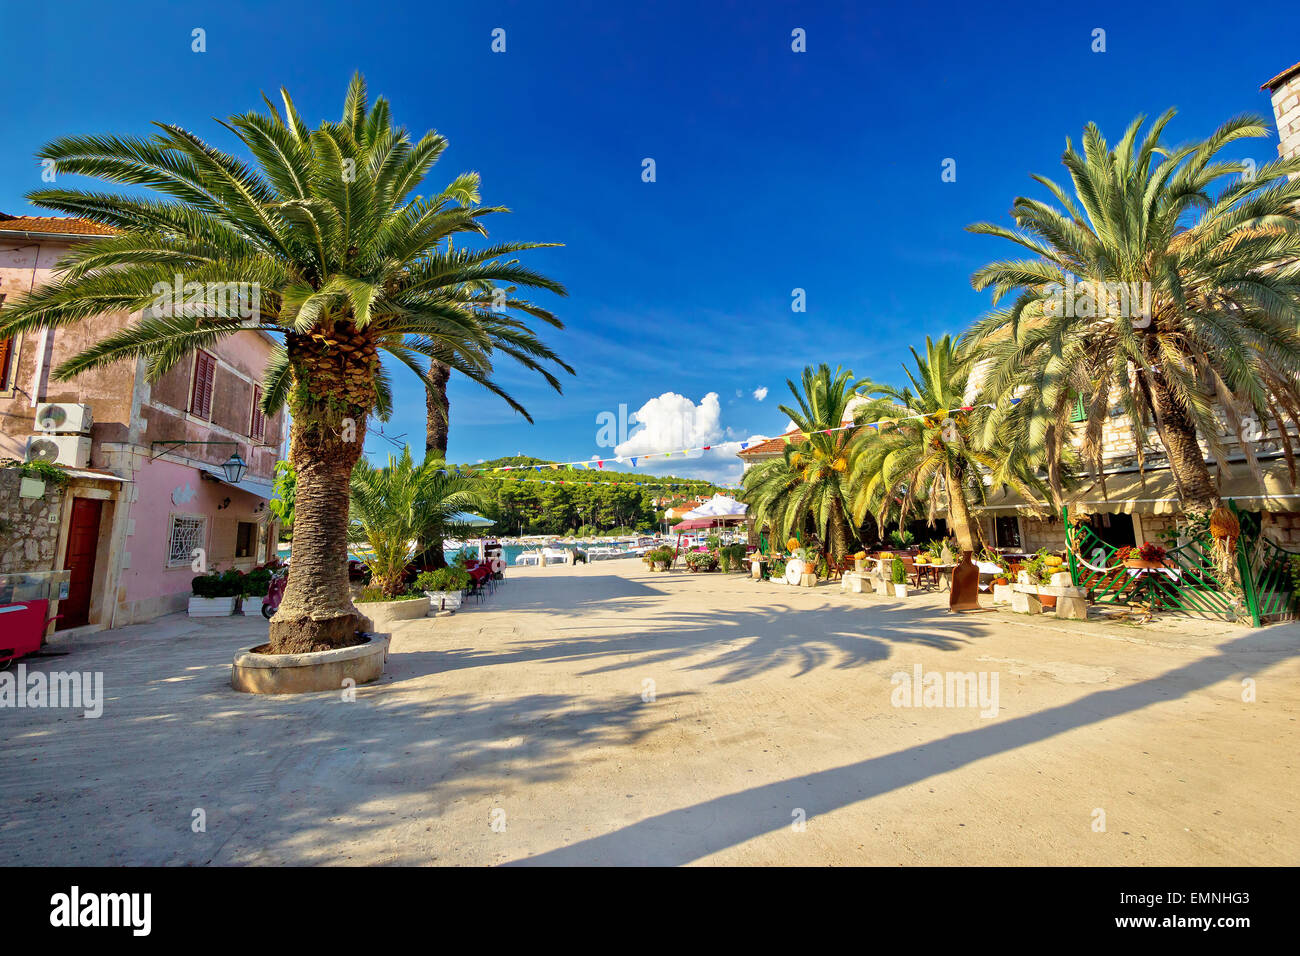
29	527
1286	109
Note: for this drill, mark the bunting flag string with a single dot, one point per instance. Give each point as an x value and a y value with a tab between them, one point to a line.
581	481
599	463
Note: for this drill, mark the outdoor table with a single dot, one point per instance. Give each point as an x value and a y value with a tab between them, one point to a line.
935	573
1148	582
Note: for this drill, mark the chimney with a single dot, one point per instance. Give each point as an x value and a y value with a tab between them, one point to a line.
1285	92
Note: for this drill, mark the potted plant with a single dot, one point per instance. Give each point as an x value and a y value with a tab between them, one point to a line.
701	561
860	562
659	559
215	593
256	583
445	587
898	577
384	607
1038	570
1147	557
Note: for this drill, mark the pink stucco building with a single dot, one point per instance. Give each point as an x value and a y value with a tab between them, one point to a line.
143	494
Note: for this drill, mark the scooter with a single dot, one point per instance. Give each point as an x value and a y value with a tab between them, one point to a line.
274	594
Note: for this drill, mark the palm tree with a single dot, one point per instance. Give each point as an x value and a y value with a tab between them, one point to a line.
395	507
810	481
506	333
1187	299
921	444
345	266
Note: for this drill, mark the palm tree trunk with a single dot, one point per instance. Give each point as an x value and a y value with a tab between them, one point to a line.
437	423
333	394
437	419
959	512
839	534
1186	460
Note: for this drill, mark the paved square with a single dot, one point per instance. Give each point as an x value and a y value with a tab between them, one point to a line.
604	714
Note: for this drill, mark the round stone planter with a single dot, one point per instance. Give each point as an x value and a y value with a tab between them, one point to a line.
257	673
382	613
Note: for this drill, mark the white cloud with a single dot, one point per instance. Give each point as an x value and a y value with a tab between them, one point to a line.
673	422
760	393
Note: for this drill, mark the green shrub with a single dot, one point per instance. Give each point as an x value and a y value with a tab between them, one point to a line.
902	539
898	571
443	579
371	595
218	584
257	582
46	471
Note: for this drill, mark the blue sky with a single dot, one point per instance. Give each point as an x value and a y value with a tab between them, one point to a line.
775	170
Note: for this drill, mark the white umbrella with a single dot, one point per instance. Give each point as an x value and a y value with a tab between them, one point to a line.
719	506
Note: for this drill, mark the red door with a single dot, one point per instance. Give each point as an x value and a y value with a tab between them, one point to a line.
83	541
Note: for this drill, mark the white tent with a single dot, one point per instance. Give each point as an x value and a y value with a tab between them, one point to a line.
468	518
719	506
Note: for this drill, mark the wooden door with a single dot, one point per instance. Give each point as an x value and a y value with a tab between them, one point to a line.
83	542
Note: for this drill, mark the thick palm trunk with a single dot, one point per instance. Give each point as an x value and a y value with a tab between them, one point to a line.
332	396
839	534
959	514
437	419
1186	461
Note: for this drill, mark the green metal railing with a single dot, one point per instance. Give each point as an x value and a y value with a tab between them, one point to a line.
1269	574
1190	581
1266	587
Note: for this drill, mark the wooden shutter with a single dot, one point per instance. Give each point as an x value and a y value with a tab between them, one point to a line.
6	347
205	370
6	353
257	426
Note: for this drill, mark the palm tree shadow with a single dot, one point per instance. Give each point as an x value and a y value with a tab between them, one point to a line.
690	833
739	643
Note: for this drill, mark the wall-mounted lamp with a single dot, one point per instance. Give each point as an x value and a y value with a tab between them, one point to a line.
233	467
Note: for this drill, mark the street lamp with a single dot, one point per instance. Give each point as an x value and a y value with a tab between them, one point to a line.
234	467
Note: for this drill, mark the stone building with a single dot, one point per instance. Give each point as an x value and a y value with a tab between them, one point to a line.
1132	505
1136	505
146	488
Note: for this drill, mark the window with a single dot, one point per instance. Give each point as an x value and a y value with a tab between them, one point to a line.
1006	532
245	538
257	424
205	373
7	351
188	533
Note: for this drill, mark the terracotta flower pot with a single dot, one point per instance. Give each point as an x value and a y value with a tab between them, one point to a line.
1141	565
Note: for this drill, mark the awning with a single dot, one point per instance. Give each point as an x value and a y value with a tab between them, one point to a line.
1156	493
719	521
262	489
94	474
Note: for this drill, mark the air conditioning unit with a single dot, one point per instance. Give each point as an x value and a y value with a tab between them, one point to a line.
70	450
59	418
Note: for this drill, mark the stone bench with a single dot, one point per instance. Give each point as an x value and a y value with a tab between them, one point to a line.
1071	602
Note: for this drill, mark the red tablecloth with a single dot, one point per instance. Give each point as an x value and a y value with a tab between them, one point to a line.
479	571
